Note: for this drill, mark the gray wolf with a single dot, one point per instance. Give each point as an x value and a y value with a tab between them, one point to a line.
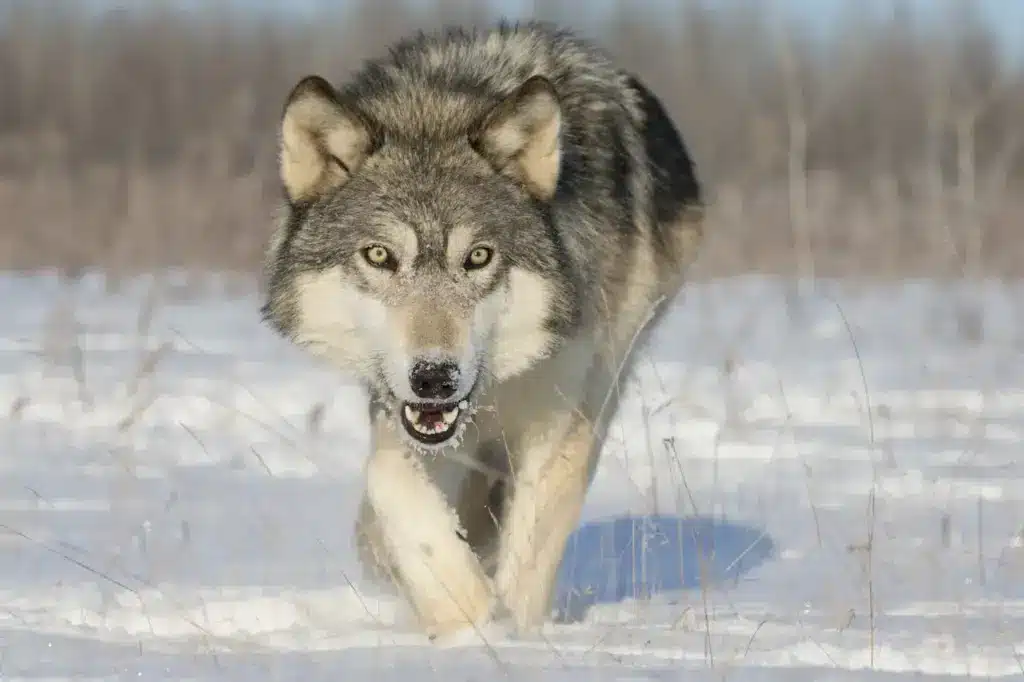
480	226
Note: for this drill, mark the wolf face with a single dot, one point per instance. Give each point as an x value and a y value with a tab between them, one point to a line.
424	264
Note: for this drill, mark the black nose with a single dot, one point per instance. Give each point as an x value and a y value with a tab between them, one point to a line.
434	380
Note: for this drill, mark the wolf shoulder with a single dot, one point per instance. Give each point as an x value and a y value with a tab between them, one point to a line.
626	163
676	199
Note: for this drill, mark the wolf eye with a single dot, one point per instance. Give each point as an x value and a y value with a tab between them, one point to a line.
478	258
379	257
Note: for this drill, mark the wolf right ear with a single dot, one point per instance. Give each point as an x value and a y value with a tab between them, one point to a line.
322	142
521	137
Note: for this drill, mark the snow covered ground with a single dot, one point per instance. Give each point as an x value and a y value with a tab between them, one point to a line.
839	479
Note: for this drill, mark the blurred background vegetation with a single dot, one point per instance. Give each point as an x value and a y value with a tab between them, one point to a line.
143	137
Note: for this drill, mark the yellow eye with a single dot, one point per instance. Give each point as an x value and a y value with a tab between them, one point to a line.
379	257
478	258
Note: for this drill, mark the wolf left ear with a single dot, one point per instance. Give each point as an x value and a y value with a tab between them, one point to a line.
322	142
521	137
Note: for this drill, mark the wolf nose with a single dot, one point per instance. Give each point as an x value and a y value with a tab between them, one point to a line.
434	380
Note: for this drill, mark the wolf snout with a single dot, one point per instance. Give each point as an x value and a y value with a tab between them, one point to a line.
434	380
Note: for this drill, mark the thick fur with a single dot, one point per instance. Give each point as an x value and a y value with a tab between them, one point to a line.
529	142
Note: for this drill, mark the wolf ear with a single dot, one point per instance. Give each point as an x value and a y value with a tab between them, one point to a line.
322	142
521	137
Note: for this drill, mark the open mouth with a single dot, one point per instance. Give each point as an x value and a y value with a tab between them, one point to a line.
432	423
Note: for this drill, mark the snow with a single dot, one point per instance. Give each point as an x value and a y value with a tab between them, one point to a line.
835	476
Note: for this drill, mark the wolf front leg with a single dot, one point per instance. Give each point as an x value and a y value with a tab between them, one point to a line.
435	568
549	487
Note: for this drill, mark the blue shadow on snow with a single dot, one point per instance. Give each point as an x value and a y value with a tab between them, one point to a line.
634	557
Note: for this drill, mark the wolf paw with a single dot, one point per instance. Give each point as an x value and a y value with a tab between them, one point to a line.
484	634
496	625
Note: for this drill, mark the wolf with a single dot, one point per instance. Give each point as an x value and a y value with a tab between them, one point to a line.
480	226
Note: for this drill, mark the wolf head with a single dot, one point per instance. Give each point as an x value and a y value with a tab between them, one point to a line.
417	252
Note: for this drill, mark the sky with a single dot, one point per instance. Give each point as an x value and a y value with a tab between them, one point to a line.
1007	16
